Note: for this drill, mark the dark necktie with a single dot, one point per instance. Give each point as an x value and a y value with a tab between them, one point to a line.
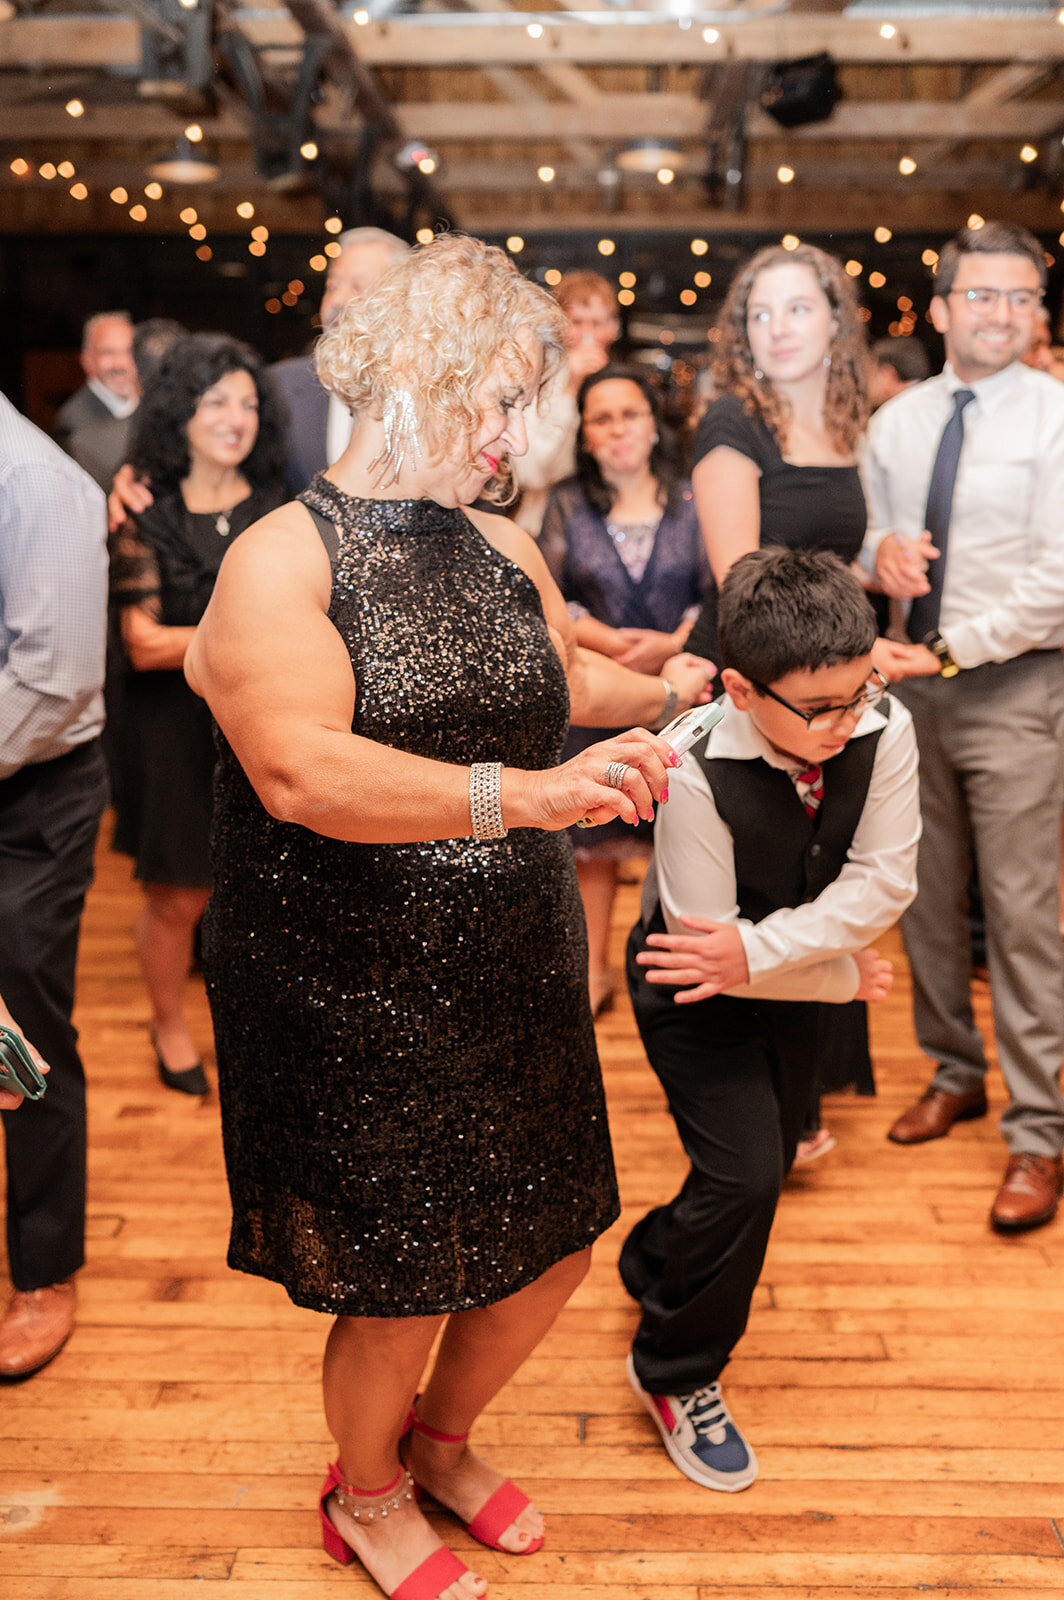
924	611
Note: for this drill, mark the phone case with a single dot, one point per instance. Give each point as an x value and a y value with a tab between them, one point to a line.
18	1071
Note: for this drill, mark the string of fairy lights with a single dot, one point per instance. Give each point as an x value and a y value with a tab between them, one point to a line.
138	205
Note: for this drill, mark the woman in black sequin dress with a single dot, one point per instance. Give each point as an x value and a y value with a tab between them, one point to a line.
414	1123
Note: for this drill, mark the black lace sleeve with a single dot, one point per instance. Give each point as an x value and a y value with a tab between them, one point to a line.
134	571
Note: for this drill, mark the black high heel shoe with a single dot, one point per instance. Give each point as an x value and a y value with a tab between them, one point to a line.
189	1080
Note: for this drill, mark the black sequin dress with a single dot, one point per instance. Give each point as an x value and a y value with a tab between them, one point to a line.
412	1106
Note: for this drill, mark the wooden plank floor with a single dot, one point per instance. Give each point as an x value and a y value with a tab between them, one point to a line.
902	1376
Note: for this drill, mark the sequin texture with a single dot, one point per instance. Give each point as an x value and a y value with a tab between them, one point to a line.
412	1106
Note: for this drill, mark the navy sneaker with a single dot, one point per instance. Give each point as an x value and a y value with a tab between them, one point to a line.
698	1432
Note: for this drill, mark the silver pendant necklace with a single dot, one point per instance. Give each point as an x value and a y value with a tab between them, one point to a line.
221	524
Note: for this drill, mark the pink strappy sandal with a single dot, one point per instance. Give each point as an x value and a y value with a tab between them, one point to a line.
427	1581
498	1510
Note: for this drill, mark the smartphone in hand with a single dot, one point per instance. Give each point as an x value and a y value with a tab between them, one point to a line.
19	1073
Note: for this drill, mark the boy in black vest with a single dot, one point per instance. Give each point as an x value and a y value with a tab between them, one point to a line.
788	845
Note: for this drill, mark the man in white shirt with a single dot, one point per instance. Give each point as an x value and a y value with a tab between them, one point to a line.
965	484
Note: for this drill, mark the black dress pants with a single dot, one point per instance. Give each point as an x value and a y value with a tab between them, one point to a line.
49	817
738	1075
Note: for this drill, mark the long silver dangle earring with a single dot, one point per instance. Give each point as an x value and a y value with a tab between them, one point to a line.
399	420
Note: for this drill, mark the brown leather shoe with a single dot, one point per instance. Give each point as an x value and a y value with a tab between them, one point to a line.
1029	1193
934	1114
35	1328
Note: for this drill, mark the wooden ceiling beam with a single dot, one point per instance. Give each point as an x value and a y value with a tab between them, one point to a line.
611	118
113	42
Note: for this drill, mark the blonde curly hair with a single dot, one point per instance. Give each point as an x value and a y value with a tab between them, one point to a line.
846	403
437	323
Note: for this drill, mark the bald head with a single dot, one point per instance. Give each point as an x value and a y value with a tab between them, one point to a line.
107	353
365	255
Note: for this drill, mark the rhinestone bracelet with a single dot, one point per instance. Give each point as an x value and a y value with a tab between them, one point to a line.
485	800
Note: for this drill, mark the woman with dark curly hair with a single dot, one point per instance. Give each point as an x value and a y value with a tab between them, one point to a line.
208	435
622	543
776	463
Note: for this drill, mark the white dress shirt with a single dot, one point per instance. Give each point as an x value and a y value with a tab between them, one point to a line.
116	405
800	952
1003	592
53	597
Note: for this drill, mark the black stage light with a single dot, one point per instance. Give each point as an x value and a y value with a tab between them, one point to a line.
805	90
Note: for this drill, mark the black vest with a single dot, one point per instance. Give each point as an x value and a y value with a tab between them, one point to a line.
783	856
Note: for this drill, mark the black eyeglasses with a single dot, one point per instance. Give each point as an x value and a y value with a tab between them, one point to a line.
987	299
827	716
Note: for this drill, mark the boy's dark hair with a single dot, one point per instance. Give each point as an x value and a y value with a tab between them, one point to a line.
992	239
906	355
785	611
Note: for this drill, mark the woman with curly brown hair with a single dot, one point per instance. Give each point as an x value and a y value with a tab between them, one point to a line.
776	463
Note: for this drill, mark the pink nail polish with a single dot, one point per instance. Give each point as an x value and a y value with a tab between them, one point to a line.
674	759
665	793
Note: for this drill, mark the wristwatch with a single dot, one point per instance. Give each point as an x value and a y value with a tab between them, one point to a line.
947	667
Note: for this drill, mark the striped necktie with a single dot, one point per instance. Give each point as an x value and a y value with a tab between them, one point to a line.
814	777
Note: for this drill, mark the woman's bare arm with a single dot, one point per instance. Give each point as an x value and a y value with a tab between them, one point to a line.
727	488
278	678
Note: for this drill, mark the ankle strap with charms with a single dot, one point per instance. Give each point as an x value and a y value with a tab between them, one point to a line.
365	1505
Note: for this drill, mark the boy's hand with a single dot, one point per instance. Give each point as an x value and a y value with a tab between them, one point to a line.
877	976
713	959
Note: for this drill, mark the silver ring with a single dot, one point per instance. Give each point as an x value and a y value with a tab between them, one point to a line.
616	773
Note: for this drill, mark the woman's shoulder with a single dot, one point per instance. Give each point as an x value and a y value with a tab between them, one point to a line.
726	422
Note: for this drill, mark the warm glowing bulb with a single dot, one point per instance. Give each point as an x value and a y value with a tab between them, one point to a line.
138	213
876	280
785	174
257	248
78	191
296	286
666	336
334	225
119	196
189	215
699	247
854	269
545	174
426	165
425	236
333	249
317	263
906	165
204	253
361	18
665	174
930	257
606	247
273	306
153	191
703	279
904	303
882	235
627	280
20	167
193	133
65	169
790	241
245	209
625	297
515	244
710	35
1028	153
309	150
975	221
260	233
887	30
552	276
535	30
688	297
74	108
197	231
